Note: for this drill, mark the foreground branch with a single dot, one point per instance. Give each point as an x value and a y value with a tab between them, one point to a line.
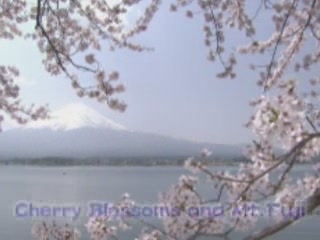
312	203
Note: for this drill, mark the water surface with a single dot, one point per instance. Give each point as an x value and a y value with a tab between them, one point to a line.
81	185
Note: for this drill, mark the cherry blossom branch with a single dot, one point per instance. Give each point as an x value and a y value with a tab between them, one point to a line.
312	203
292	153
314	128
269	68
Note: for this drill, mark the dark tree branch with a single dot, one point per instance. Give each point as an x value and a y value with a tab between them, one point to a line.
269	68
38	18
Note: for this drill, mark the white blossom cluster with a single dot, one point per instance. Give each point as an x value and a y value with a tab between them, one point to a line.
99	228
54	231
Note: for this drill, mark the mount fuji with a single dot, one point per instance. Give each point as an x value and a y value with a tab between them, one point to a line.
77	131
74	116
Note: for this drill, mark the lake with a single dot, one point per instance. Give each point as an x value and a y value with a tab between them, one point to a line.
81	185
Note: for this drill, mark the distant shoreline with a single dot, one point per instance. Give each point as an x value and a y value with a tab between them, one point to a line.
142	161
115	162
121	165
114	165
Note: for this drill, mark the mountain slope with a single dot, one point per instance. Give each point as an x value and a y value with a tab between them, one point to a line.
92	142
79	132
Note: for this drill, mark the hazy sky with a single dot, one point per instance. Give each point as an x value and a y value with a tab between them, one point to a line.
172	90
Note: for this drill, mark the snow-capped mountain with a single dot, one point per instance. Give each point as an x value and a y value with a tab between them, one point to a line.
78	131
74	116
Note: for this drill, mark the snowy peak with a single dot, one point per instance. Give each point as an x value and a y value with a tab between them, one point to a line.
74	116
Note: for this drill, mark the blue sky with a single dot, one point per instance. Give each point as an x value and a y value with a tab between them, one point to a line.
171	91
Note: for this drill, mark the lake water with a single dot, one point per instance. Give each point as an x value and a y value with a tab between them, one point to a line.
81	185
